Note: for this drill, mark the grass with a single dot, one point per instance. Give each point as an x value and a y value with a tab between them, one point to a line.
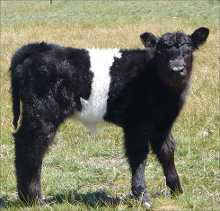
82	172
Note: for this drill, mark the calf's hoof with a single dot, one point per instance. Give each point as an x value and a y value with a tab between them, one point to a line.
146	205
144	199
176	192
32	201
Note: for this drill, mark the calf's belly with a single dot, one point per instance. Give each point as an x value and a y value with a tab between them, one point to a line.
95	107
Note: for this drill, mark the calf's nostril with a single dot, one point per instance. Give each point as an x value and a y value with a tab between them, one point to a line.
178	69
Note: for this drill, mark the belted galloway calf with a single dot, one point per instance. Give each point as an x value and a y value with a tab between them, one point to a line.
140	90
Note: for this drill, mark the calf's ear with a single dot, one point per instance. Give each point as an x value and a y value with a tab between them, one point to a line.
199	36
148	40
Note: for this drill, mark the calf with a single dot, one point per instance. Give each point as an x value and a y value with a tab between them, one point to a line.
140	90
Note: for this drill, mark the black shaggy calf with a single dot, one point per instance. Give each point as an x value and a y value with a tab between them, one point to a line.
141	91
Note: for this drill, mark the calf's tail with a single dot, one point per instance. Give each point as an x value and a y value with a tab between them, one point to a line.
15	89
17	71
17	76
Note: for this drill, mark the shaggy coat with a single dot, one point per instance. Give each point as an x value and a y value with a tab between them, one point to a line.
140	90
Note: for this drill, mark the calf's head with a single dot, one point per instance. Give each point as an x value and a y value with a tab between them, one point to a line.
174	54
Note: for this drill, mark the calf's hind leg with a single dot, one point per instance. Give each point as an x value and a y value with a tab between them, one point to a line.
31	142
136	146
164	150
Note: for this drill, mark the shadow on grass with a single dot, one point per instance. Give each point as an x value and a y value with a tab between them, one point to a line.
93	199
90	199
6	202
3	201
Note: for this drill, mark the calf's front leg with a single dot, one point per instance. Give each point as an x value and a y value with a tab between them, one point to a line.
164	147
136	146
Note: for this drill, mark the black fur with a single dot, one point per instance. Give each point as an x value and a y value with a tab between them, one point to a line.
46	78
147	92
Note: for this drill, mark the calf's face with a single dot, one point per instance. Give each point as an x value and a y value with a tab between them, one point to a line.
174	54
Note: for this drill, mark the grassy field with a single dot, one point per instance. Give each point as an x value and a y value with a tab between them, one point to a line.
83	172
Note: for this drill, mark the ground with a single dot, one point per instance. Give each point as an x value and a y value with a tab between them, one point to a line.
93	169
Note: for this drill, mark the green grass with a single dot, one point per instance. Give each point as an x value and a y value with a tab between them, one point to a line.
83	172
